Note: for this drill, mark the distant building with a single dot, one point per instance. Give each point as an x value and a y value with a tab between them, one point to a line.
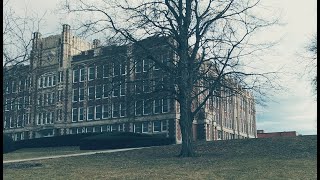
262	134
78	87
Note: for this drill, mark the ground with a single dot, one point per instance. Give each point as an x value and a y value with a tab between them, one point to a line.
273	158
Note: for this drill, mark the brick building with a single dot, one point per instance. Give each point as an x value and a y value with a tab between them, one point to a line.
77	87
262	134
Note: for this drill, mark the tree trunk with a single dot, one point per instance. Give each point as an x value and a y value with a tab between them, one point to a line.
185	122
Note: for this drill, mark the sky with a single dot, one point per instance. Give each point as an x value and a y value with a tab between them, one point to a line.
292	109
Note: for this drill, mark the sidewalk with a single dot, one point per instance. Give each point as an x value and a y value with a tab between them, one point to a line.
70	155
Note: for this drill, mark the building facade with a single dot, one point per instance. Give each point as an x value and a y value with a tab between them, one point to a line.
78	87
262	134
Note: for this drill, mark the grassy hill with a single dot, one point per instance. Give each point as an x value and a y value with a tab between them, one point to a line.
272	158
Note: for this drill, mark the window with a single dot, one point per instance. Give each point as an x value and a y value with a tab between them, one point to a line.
138	66
98	92
145	65
145	127
59	114
219	134
7	106
7	87
82	74
45	100
91	74
81	115
54	80
20	103
39	116
90	113
81	94
75	75
91	91
11	122
115	90
21	85
97	129
122	109
14	87
121	127
156	126
116	69
27	118
137	128
115	109
138	86
123	68
138	107
27	100
164	126
105	112
19	121
51	117
106	71
50	81
103	128
114	128
75	95
49	98
106	90
147	107
98	112
74	114
156	64
122	89
165	105
45	118
99	71
157	106
40	82
146	86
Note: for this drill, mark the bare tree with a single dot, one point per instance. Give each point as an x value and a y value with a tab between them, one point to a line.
312	63
209	40
17	42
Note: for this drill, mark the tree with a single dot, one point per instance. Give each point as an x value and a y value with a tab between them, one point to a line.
17	42
312	65
210	40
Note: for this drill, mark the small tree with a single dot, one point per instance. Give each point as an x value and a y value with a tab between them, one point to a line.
210	40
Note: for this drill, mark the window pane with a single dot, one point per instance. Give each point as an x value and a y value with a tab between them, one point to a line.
115	109
91	73
98	92
81	116
98	112
74	114
90	112
145	127
75	75
105	112
91	92
81	94
156	126
138	107
137	128
82	74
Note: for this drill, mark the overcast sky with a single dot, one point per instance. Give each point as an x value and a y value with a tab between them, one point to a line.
293	109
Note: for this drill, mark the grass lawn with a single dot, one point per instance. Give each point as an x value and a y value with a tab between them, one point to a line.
274	158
